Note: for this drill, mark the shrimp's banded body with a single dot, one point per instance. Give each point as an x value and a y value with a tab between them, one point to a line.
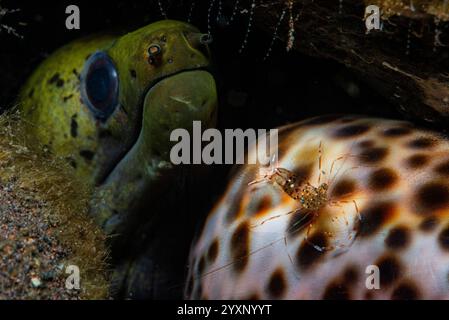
309	197
250	248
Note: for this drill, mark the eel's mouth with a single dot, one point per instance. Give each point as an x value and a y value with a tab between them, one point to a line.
108	170
172	102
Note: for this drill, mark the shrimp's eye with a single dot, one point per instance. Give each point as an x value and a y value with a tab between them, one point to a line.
100	85
154	53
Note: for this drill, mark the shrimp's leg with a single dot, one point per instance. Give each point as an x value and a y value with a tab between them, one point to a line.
290	257
307	236
355	206
267	176
320	159
336	204
351	238
357	210
333	164
276	217
257	181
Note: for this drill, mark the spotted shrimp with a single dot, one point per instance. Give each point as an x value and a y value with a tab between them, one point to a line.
310	199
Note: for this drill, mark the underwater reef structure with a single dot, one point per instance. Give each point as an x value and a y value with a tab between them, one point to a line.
349	197
406	60
44	224
4	27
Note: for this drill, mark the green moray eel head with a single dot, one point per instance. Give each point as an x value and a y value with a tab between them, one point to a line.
108	105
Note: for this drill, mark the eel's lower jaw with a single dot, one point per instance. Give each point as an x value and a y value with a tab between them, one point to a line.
117	203
125	199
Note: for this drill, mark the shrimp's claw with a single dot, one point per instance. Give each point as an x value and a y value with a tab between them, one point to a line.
266	173
257	181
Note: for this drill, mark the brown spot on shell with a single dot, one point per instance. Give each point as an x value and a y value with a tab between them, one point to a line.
343	188
264	204
428	224
350	275
390	270
398	238
369	295
366	144
422	143
374	217
351	131
405	291
373	155
337	291
240	246
417	161
277	284
381	179
432	196
212	252
246	175
260	203
253	297
307	255
396	132
302	173
443	168
443	238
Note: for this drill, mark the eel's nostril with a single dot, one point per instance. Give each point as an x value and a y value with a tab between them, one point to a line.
199	39
154	53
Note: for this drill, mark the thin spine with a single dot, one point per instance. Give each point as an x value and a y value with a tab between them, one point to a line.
250	24
275	34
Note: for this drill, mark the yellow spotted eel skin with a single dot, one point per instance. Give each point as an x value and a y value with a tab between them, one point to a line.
387	208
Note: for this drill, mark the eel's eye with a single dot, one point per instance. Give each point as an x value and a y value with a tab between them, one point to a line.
154	53
100	85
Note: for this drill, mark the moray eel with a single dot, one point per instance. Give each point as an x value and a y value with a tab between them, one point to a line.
107	104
